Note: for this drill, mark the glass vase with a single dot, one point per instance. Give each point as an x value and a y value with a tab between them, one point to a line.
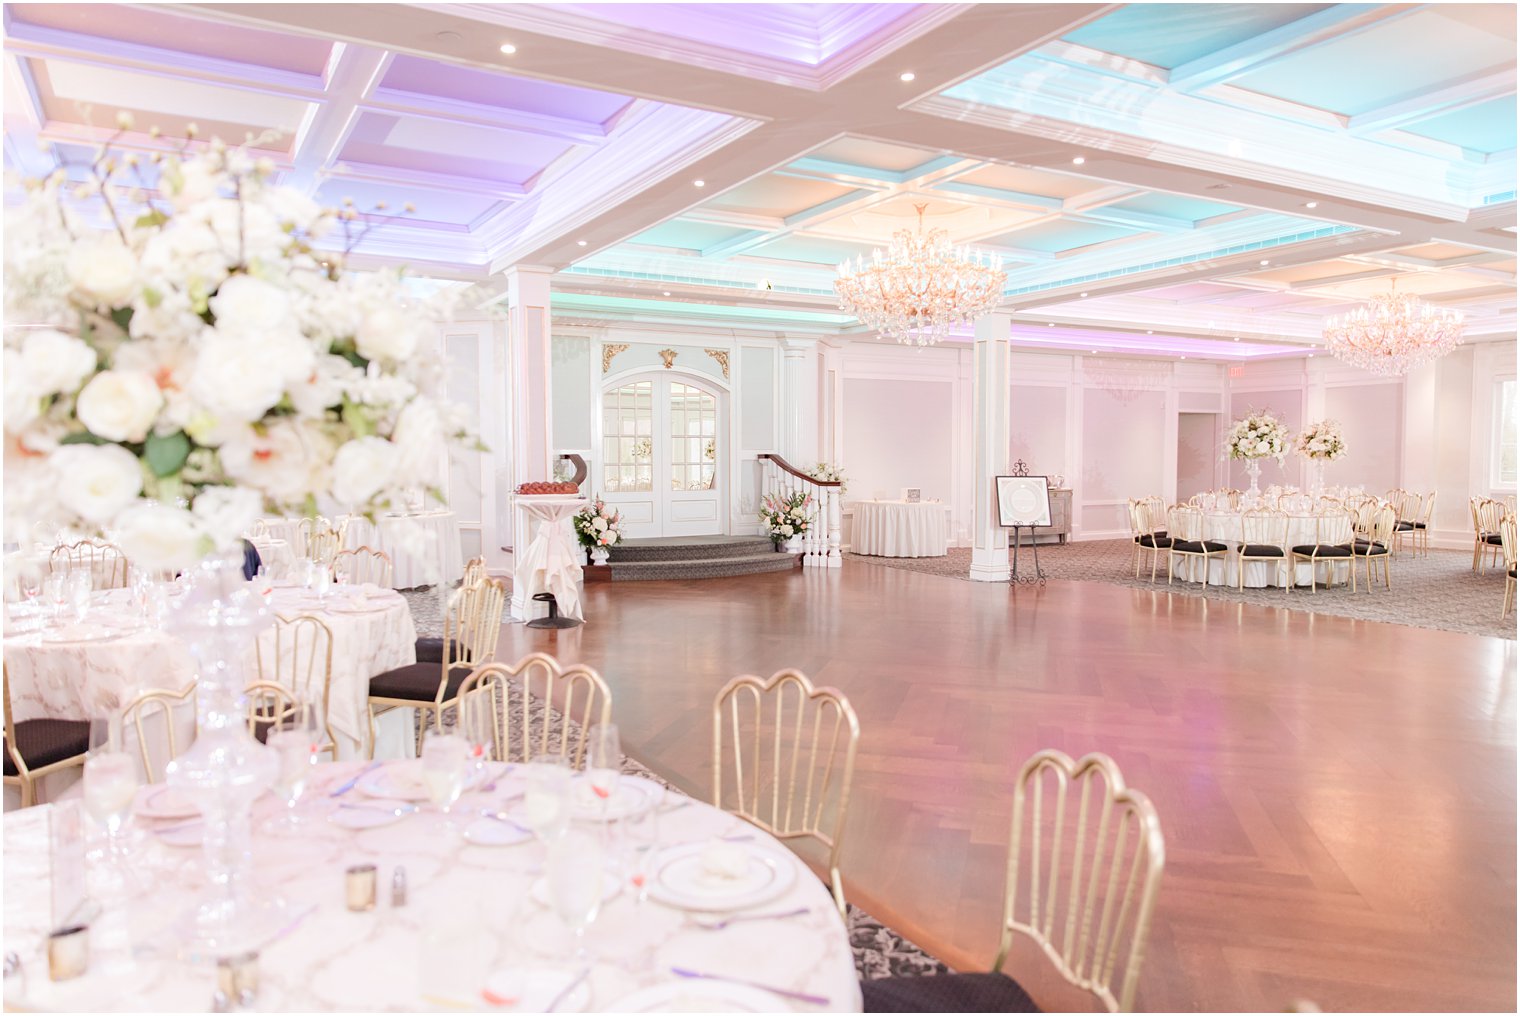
219	617
1253	470
1316	477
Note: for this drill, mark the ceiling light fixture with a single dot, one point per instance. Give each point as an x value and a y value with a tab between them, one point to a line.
906	76
1078	161
580	243
1266	261
666	293
1084	296
1050	324
508	49
699	183
920	287
1149	331
1312	204
1392	333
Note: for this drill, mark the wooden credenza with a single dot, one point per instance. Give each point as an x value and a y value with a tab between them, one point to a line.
1060	518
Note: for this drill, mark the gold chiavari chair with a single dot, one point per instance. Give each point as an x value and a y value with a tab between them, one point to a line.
322	546
1424	522
1334	533
1186	526
1085	860
363	566
1376	543
35	748
1507	541
259	530
105	562
1487	547
471	628
474	572
803	739
495	692
1406	505
1263	537
269	704
1145	536
162	706
297	656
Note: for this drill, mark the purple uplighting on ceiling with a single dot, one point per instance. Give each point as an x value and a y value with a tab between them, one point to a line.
425	77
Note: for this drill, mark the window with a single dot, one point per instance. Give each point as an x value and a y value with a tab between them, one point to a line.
693	438
627	437
1504	434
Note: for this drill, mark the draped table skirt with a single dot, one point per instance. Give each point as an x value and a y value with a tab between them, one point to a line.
899	529
1225	527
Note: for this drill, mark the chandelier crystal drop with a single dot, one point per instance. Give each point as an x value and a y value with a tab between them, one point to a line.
922	287
1393	334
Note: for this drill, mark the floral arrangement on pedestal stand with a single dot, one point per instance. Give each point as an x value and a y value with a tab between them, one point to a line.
1256	436
598	528
179	360
1320	442
787	517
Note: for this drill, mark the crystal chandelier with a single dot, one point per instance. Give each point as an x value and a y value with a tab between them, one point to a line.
1393	334
921	287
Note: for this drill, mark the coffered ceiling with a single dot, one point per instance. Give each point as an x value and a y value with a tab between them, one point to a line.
1207	179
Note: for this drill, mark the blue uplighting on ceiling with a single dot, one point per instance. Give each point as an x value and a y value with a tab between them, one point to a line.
1169	35
1488	127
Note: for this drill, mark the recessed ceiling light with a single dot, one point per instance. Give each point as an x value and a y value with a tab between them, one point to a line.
1149	332
1094	350
666	293
508	49
906	76
448	36
1237	338
1084	296
1312	204
1182	358
699	183
580	243
1050	324
1266	261
1078	161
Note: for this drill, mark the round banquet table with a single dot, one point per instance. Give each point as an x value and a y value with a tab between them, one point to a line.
76	672
470	917
428	555
899	529
1224	526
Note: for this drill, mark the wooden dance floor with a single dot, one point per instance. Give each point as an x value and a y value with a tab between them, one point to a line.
1338	796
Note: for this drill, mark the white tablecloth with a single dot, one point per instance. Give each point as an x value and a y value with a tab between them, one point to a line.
437	557
80	680
899	529
551	560
470	913
1225	527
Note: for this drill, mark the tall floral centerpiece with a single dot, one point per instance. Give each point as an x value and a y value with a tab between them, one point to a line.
787	517
180	359
598	528
1320	442
1256	436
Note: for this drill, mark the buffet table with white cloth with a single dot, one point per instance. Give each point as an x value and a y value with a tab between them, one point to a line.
900	529
87	669
1224	526
437	557
548	557
476	932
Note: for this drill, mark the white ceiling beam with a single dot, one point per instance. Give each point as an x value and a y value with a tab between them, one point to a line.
1476	88
391	175
352	72
433	107
1312	30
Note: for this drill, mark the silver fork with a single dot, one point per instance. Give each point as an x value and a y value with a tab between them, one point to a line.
720	925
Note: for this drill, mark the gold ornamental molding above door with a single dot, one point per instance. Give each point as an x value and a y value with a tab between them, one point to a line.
610	350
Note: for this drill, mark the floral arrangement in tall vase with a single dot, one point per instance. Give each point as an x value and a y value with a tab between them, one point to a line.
787	517
1257	435
1320	442
180	358
598	528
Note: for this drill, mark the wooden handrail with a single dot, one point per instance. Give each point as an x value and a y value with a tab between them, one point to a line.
787	467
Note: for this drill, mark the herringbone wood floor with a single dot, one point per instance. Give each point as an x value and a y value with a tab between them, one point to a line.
1338	796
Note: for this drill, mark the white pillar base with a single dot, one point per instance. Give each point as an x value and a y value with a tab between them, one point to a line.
989	566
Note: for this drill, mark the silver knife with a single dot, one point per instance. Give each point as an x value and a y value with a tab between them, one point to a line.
357	777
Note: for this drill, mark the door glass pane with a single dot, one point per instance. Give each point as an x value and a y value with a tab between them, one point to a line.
628	437
693	438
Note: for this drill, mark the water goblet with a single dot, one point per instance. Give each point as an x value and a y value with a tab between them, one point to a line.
603	757
641	841
29	584
546	800
110	784
296	743
80	585
55	591
445	766
575	874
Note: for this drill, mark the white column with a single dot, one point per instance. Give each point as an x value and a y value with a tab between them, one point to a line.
528	334
799	401
1422	425
989	551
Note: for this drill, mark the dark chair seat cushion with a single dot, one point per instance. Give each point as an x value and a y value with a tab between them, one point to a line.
1261	550
1512	573
946	993
1494	538
417	682
1322	550
429	650
1365	549
1404	526
1159	542
1419	525
43	742
1198	546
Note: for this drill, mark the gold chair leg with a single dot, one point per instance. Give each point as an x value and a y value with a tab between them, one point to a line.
374	733
28	792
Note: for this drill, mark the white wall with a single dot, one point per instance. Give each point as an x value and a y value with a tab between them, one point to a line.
1199	437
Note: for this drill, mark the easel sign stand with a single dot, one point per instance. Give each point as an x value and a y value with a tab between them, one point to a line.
1023	503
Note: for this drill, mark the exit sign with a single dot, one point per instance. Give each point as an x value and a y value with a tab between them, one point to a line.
1237	370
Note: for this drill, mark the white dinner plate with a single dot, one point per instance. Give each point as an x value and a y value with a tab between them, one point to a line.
403	780
370	813
611	884
164	802
632	796
492	832
699	996
182	834
534	989
681	878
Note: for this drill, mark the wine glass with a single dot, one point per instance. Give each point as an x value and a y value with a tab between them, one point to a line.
445	763
641	841
603	757
55	590
546	801
80	584
296	745
110	784
576	883
29	584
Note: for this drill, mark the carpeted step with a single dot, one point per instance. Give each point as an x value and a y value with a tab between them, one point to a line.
704	568
690	548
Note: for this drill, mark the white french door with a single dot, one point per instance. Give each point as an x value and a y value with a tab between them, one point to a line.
662	442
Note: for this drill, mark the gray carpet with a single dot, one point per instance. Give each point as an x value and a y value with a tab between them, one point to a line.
1438	591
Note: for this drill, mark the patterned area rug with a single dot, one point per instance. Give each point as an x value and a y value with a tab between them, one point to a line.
879	951
1438	591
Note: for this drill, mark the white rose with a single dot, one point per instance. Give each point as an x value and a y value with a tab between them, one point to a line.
283	462
96	482
610	537
362	469
55	362
225	513
120	405
241	378
250	306
292	209
197	182
157	536
104	270
385	333
600	525
22	404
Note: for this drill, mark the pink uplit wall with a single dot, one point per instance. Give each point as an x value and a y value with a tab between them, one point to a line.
1037	428
1287	406
1371	418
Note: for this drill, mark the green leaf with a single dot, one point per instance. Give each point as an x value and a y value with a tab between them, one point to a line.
153	218
122	316
166	454
82	437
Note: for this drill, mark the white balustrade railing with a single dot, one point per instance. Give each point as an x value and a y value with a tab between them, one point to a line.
820	544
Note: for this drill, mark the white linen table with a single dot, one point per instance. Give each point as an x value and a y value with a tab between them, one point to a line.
1224	526
548	558
899	529
436	558
470	913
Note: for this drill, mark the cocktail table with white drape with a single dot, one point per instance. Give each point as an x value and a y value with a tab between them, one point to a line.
899	529
1224	526
471	917
548	559
113	656
437	557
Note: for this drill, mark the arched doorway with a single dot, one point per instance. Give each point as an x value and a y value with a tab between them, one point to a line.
663	444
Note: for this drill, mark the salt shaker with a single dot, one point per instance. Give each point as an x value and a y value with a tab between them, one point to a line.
398	887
